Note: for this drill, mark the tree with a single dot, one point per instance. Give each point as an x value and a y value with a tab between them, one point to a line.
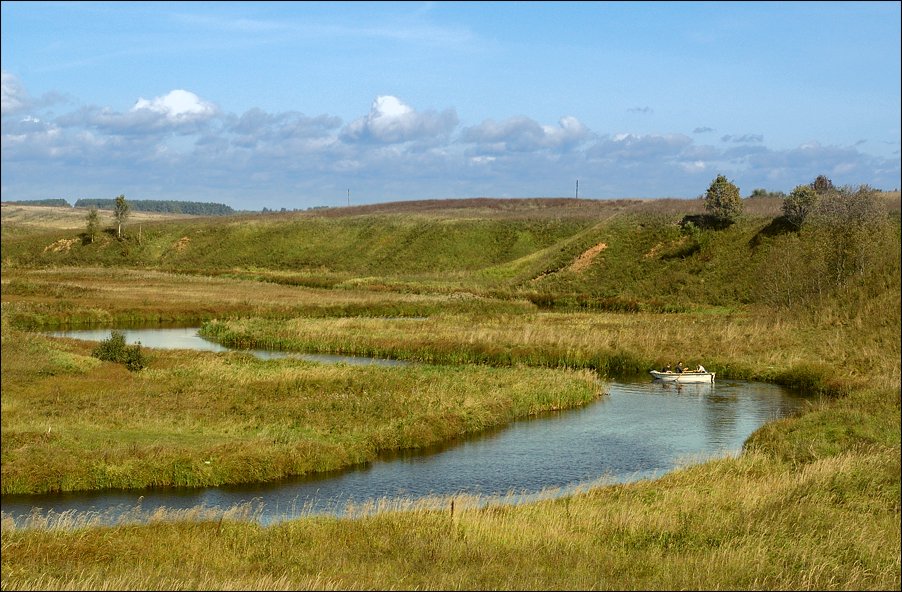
799	203
93	223
852	222
722	200
822	185
120	213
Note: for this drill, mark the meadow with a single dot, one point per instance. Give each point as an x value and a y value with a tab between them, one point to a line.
512	307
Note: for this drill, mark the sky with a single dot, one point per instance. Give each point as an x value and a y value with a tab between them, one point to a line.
308	104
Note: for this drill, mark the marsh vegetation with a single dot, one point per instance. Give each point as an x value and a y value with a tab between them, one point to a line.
524	311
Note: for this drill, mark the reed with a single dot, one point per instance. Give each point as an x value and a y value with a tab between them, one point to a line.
784	349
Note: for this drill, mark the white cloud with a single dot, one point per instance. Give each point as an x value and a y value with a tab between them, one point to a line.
13	97
392	121
522	134
634	147
179	144
696	166
178	105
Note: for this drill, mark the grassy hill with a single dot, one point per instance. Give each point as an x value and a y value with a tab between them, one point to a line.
588	254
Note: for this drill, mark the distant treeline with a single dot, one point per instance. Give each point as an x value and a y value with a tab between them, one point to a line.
41	202
162	205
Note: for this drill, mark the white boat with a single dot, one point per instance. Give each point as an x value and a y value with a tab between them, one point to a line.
684	377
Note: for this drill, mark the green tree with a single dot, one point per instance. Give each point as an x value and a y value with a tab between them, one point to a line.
799	203
93	223
852	222
822	185
120	213
722	200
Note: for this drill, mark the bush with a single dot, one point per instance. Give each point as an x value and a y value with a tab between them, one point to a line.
722	200
798	204
114	349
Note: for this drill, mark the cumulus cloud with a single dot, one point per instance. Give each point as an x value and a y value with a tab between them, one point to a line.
256	127
178	105
640	146
522	134
392	121
13	97
179	144
178	112
703	130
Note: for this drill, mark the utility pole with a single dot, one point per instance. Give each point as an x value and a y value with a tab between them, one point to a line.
577	189
349	196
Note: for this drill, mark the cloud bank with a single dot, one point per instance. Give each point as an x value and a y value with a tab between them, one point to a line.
183	146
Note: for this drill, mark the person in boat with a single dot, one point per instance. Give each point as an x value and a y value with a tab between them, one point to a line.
679	367
666	368
700	368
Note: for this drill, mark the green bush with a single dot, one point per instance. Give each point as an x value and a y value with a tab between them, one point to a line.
722	200
114	349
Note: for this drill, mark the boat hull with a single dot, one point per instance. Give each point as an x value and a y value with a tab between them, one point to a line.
683	377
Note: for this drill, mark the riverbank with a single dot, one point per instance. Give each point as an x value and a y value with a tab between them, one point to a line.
748	523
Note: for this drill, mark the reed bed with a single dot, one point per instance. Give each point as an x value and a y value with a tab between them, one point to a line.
750	346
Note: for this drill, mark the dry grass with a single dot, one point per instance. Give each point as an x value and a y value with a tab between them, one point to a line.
54	217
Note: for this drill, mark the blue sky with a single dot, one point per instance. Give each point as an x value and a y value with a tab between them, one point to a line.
297	104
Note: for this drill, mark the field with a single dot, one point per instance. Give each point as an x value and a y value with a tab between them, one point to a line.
520	306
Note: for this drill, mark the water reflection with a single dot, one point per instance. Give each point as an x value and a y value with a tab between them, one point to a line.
640	429
188	338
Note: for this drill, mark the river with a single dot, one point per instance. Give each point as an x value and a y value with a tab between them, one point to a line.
640	429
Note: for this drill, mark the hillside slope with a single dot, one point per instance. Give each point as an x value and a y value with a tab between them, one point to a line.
588	254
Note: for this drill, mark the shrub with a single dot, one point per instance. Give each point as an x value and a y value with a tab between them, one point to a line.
722	199
114	349
798	204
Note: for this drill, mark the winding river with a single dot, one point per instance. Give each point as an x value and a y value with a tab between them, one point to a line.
639	430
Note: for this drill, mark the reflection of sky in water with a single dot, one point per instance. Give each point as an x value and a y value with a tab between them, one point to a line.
638	430
187	338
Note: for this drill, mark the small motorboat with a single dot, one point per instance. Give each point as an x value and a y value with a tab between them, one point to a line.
684	377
